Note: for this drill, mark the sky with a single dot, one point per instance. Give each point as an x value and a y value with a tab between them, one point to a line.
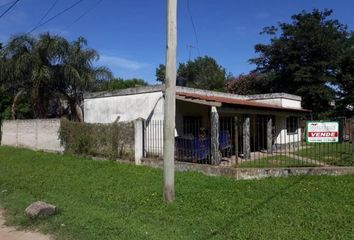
130	37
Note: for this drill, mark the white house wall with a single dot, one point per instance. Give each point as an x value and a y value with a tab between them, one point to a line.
281	102
289	103
126	108
282	136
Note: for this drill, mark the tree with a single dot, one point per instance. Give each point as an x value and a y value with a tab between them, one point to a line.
252	83
302	57
160	73
203	73
49	70
119	83
16	68
344	82
77	74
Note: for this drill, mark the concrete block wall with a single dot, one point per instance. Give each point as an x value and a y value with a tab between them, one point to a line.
37	134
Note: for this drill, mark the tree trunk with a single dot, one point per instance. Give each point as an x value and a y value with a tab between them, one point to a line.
78	112
15	103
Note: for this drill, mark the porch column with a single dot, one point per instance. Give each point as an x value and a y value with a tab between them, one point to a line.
236	123
269	135
214	120
246	138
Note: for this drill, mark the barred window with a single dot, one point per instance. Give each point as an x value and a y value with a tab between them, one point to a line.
292	125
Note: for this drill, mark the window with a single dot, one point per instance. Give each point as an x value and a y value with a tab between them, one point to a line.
292	125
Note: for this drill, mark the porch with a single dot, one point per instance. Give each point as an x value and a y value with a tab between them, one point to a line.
210	132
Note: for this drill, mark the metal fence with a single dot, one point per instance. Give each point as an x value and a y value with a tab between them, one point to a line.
253	141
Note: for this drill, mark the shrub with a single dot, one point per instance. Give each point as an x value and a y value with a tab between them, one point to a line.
115	140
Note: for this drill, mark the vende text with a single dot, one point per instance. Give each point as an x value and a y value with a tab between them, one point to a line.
323	134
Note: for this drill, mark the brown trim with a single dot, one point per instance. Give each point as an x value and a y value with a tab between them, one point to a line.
198	101
239	102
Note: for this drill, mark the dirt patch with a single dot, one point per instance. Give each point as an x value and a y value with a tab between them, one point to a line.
10	233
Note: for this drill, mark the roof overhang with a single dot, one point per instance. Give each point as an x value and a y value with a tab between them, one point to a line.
241	103
198	101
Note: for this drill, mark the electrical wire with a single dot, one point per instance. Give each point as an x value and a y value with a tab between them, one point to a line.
48	11
84	13
55	16
194	28
9	8
5	4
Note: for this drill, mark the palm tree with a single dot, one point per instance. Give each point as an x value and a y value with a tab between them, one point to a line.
49	68
78	74
16	66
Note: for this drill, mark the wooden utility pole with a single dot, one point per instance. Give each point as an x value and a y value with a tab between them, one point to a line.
170	103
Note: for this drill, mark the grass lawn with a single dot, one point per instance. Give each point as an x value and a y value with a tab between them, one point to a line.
275	161
338	154
106	200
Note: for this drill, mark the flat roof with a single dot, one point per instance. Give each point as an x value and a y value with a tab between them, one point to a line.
206	97
238	102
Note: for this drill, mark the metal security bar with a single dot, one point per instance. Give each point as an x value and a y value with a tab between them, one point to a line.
268	142
253	141
153	139
194	143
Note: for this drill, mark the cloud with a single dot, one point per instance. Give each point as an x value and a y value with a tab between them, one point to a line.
123	63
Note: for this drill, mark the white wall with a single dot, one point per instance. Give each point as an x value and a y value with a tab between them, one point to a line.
282	136
127	108
38	134
148	106
281	102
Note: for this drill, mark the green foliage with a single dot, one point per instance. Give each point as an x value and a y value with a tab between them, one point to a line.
202	73
106	200
114	140
345	81
5	103
252	83
119	83
160	73
47	69
302	57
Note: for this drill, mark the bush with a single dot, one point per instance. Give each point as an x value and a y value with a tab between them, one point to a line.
115	140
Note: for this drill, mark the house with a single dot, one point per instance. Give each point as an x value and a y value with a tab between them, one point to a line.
210	125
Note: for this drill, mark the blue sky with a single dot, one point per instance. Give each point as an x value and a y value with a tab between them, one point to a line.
130	34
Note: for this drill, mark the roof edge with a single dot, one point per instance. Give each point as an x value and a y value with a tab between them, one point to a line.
210	93
122	92
274	95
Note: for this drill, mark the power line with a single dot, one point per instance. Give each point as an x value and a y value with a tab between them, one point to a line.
189	46
48	11
5	4
9	8
84	13
194	28
55	16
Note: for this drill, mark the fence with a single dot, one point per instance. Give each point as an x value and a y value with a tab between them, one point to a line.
254	141
39	134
